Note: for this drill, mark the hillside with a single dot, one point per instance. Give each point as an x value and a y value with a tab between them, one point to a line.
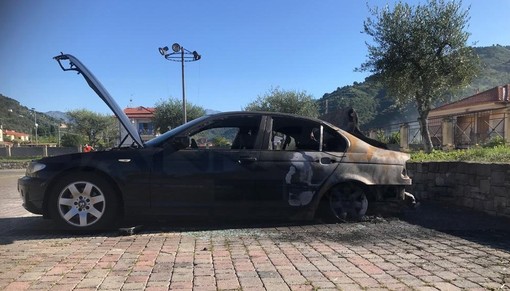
495	70
376	109
14	116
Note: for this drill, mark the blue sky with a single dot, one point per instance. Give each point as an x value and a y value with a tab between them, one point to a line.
247	48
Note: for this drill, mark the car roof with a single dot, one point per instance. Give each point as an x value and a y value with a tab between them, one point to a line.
271	113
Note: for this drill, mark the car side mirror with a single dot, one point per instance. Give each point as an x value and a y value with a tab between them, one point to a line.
181	142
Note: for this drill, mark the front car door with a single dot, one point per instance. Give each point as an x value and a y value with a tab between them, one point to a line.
214	174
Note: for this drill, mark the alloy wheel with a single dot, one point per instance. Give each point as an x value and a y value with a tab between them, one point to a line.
81	204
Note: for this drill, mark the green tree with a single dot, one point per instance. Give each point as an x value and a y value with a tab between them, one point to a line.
109	136
168	114
71	140
90	125
277	100
220	141
420	53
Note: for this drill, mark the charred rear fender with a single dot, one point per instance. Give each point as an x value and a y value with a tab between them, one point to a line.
382	198
372	174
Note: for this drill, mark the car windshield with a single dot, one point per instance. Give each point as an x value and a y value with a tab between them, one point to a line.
159	139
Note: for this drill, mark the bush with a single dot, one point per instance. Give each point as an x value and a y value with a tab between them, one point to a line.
496	154
495	142
71	140
393	138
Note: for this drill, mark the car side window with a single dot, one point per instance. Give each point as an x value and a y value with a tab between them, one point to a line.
228	133
304	135
290	134
332	141
281	141
214	138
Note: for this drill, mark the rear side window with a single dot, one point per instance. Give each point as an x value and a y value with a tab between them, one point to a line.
292	134
333	141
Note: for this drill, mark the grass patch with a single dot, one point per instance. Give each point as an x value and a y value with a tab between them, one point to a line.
17	159
496	154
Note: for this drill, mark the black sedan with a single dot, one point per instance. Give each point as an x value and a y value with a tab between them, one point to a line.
237	164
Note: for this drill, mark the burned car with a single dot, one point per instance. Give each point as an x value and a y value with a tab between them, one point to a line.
235	164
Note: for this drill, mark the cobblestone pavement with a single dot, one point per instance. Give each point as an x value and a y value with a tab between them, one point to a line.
433	248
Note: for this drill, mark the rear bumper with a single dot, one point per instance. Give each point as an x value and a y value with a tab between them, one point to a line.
31	191
392	199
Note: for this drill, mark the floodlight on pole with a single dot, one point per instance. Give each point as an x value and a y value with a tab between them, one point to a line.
180	54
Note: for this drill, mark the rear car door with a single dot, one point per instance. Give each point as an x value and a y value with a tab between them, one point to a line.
300	155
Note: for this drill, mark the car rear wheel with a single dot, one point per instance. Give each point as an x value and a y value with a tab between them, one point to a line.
348	202
83	201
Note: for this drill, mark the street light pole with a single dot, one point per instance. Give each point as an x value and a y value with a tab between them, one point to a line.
184	114
35	126
59	134
183	55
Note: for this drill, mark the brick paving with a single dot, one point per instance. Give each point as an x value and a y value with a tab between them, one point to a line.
377	255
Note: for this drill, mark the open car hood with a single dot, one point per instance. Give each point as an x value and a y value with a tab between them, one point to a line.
75	65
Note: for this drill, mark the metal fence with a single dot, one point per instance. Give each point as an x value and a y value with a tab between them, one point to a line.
435	130
479	128
472	129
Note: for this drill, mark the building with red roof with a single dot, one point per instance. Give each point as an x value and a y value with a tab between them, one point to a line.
473	120
493	99
12	135
142	118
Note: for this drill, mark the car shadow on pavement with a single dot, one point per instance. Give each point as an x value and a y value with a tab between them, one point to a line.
27	228
35	227
479	227
430	219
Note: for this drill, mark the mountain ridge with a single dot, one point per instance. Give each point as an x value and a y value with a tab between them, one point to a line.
382	110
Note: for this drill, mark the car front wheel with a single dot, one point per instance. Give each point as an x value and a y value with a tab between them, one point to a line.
83	201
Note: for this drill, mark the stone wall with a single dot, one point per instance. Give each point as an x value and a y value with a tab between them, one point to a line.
57	151
482	187
28	151
36	151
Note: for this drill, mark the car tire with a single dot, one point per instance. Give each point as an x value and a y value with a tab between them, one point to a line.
83	201
346	202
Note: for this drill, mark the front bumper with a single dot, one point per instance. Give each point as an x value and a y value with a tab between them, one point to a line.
31	190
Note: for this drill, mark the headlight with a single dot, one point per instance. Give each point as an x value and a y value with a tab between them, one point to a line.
34	167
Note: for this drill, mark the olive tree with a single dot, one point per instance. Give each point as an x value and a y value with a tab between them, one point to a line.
277	100
168	114
420	53
94	127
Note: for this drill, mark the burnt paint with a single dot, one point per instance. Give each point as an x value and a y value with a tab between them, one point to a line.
295	176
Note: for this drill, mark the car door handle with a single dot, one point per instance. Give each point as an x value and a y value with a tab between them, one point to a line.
247	160
326	161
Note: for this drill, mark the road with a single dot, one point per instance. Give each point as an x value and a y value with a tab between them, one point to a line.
8	194
433	248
